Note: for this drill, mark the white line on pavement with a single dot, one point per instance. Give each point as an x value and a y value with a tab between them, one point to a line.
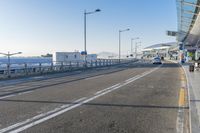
40	116
18	127
106	89
94	77
17	94
188	92
3	97
180	114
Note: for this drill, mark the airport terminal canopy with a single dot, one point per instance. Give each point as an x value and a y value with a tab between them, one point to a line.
188	22
162	49
160	46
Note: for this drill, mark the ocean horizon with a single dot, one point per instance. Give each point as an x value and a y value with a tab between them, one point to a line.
17	60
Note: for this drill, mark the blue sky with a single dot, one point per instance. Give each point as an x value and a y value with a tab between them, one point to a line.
37	27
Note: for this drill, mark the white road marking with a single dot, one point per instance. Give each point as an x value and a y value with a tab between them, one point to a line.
3	97
38	77
180	121
36	84
94	77
17	94
107	89
132	78
18	127
180	114
188	92
39	116
26	92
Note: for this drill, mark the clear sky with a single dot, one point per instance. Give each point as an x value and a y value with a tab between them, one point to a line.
37	27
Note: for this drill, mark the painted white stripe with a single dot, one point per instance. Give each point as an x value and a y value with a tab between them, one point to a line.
40	116
17	94
180	121
107	89
188	91
180	114
3	97
26	92
132	78
21	126
94	77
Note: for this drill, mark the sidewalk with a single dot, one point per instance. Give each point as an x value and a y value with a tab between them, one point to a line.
194	94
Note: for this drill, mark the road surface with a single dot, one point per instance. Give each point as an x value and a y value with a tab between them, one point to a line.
131	98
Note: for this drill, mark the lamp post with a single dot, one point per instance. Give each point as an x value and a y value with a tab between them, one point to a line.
120	42
85	48
132	43
8	56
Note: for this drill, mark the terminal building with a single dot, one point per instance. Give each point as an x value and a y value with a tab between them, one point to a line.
166	50
188	35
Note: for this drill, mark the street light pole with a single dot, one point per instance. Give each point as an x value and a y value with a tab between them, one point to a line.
85	35
8	56
120	42
85	46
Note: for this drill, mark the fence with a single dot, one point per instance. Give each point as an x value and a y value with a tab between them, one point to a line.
25	69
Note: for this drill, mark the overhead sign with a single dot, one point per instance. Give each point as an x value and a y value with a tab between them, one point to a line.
172	33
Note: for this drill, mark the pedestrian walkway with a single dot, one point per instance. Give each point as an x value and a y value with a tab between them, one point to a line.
194	93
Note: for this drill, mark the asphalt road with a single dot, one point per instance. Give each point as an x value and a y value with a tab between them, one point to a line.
133	98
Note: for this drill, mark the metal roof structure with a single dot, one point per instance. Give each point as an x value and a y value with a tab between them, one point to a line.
188	22
160	46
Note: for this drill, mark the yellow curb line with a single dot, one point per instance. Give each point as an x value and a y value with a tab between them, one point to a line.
181	101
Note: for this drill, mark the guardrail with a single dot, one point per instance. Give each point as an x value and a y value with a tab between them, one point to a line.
26	69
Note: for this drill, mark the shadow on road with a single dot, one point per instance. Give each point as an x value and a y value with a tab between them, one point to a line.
96	104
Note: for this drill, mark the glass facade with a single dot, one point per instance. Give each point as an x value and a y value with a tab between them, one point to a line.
187	11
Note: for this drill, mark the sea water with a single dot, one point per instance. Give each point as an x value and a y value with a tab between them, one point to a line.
19	60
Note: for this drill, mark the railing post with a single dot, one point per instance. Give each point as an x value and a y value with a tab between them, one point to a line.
8	70
77	64
40	67
52	66
91	63
25	69
95	63
100	62
70	65
61	66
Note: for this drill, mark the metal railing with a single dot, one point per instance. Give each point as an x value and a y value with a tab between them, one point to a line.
26	69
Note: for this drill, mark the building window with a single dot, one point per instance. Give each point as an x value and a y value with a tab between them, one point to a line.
67	56
74	56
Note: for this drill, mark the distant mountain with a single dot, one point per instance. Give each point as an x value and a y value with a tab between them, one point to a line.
107	55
